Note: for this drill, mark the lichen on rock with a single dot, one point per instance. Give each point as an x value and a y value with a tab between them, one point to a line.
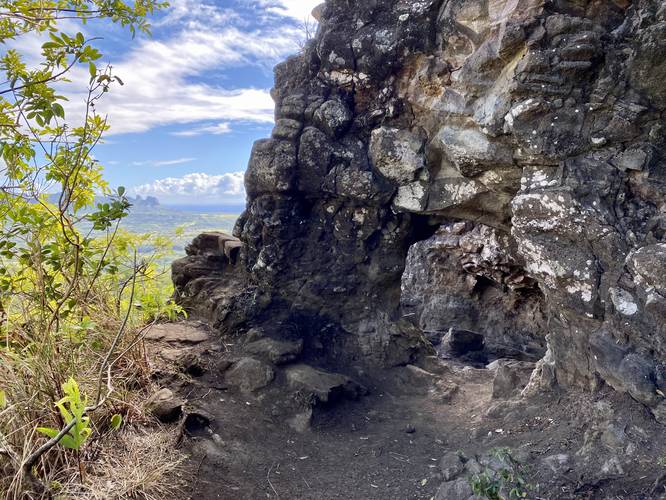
537	124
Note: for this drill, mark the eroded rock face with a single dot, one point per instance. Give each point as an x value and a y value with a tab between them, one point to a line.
538	122
470	276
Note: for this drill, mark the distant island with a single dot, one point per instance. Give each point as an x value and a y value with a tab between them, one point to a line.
148	201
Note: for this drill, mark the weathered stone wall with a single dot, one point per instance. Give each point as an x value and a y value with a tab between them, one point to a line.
542	120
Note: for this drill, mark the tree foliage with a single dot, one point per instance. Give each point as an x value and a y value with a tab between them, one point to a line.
73	285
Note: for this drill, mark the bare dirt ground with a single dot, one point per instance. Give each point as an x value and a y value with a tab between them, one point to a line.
388	444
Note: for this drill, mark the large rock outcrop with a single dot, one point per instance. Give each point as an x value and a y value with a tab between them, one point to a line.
537	123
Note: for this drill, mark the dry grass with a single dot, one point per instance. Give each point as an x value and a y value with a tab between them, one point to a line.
140	463
137	461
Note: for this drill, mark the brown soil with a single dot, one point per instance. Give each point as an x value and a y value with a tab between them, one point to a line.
388	444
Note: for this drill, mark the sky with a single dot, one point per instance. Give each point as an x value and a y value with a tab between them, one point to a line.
195	96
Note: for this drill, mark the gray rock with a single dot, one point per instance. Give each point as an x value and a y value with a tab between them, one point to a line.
333	117
451	465
397	154
318	386
177	333
165	405
459	489
301	421
286	128
192	364
511	377
558	463
249	375
278	352
542	133
612	468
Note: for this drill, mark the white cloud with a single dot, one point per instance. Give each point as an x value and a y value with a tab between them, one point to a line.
297	9
204	188
219	129
169	81
163	163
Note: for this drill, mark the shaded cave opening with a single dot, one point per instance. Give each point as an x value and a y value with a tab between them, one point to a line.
465	287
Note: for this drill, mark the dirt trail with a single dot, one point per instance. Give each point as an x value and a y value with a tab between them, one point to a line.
388	444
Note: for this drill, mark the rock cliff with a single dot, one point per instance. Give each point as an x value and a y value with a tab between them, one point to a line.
491	165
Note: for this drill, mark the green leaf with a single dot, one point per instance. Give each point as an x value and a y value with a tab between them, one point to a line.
121	190
3	400
92	69
58	110
48	431
116	421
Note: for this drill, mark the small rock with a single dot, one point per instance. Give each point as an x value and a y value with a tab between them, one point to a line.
278	352
631	159
459	342
410	429
177	332
472	466
510	377
224	364
165	405
612	467
559	463
502	408
250	374
254	334
451	466
319	386
446	390
460	489
614	437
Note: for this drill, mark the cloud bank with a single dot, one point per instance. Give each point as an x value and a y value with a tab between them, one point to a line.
197	187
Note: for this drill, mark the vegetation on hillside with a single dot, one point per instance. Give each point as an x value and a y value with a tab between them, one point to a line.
76	292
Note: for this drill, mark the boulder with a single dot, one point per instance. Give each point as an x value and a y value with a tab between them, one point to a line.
318	386
249	375
539	129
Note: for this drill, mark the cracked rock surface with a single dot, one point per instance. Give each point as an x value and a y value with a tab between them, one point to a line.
537	125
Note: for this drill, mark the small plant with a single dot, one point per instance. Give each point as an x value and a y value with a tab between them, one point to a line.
503	481
72	409
661	461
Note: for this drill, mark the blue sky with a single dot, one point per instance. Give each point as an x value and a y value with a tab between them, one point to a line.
196	96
